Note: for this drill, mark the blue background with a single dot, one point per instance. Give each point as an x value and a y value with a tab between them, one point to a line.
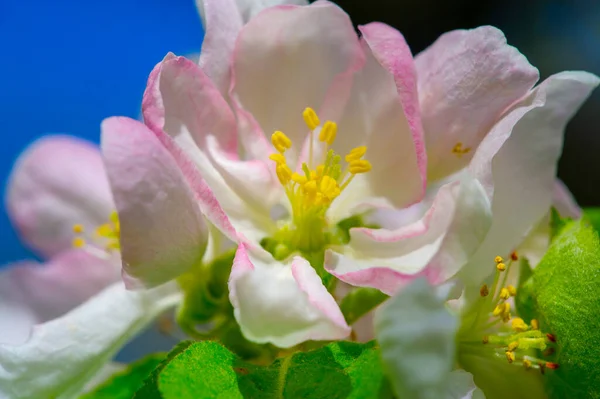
66	65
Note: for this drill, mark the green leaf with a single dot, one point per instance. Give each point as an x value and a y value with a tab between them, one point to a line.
339	370
149	389
592	215
524	300
361	301
567	296
417	337
124	384
557	223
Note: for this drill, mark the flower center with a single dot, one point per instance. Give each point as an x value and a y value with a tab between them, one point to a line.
311	192
490	329
106	237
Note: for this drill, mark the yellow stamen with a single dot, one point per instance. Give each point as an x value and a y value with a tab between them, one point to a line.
510	356
277	158
78	228
298	178
329	187
284	173
78	242
105	230
535	325
328	132
356	153
459	151
359	166
504	294
527	364
519	325
513	346
501	267
512	290
311	118
280	141
498	259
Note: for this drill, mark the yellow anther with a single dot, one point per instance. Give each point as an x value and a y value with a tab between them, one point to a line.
512	290
499	309
78	228
280	141
311	118
501	267
114	217
519	325
510	356
284	173
356	153
320	170
513	346
78	242
535	325
298	178
498	259
527	364
310	187
329	187
328	132
459	150
484	290
504	294
277	158
105	230
359	166
486	339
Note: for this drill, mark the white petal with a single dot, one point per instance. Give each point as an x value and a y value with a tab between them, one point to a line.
62	355
283	304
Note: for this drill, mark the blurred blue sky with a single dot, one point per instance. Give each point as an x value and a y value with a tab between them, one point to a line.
68	64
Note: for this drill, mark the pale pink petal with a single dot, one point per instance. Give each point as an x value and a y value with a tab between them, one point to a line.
57	182
436	246
222	22
564	202
395	139
163	232
517	163
49	290
466	79
286	59
282	304
181	101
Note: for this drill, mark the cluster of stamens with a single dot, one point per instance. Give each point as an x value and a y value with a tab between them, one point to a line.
459	150
512	338
108	235
311	191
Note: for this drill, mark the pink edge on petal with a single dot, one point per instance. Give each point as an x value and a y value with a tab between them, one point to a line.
241	265
310	283
391	50
386	280
153	109
209	205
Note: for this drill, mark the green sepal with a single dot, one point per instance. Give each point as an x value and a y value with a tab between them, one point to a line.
208	370
567	299
592	216
360	301
524	300
125	383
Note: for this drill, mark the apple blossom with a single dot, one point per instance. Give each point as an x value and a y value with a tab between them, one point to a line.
380	167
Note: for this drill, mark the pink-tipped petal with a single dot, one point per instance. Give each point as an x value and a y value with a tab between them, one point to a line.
564	202
51	289
517	164
181	101
222	22
286	58
466	79
396	141
57	182
282	304
163	232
